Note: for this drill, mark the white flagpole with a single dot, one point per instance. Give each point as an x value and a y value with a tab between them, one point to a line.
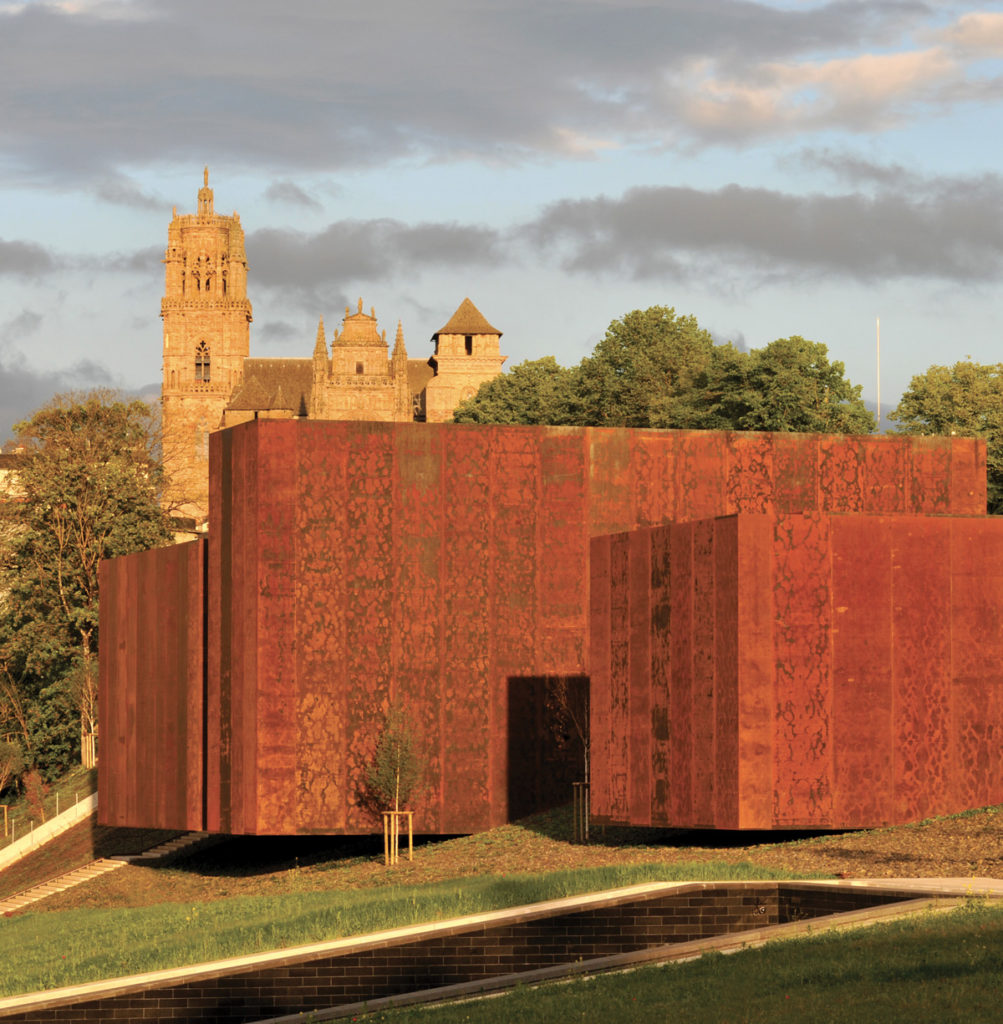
878	327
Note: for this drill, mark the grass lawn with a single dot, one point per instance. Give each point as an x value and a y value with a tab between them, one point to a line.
46	950
255	893
938	967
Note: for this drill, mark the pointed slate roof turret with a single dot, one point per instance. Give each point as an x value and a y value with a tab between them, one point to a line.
467	319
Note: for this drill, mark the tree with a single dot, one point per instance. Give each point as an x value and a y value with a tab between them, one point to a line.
398	764
963	400
90	488
657	368
648	358
11	762
534	392
396	771
790	385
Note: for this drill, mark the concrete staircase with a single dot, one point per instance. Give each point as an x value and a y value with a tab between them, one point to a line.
161	852
59	884
171	848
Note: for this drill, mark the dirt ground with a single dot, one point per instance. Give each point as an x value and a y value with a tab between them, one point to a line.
968	845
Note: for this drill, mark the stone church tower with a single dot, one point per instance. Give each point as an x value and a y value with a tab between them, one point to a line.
211	381
206	316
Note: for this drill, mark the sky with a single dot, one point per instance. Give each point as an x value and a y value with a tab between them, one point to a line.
772	168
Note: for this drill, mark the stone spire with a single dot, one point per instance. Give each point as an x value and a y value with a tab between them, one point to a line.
320	354
403	411
400	352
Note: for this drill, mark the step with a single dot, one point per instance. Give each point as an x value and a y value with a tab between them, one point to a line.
59	884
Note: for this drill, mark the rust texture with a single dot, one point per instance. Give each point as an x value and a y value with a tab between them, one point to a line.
802	671
151	663
444	568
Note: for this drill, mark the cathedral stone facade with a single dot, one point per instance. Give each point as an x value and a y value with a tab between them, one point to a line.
210	380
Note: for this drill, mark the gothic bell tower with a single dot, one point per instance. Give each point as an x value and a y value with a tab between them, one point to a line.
206	316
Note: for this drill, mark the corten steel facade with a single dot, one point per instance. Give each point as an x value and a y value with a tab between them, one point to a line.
445	567
152	700
797	671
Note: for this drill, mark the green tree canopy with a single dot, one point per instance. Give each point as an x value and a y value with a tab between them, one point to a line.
790	385
648	357
88	488
965	400
536	391
656	368
398	763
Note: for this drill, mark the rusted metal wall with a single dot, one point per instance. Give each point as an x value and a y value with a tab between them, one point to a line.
798	671
151	693
355	564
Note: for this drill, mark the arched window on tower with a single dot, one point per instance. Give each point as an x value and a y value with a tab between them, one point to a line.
202	361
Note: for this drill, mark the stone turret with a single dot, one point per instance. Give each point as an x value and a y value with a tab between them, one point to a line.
467	354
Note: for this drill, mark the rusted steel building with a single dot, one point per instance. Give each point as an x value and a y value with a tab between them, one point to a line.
777	630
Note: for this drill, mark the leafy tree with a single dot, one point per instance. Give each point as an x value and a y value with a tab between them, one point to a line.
656	368
398	764
11	762
534	392
89	488
965	400
648	358
790	385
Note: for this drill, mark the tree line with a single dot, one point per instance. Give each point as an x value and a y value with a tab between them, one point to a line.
90	483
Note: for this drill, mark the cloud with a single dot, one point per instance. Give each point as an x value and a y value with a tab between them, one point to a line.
25	259
865	93
139	261
979	33
120	191
373	250
23	389
288	192
23	325
133	84
941	231
281	331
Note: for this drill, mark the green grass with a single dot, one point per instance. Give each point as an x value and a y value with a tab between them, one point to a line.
944	967
42	951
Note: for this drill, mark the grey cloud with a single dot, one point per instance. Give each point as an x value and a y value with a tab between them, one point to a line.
279	332
288	192
24	258
308	88
657	232
25	324
140	261
852	169
366	251
120	191
23	389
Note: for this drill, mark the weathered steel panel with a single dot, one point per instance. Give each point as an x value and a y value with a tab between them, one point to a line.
352	565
